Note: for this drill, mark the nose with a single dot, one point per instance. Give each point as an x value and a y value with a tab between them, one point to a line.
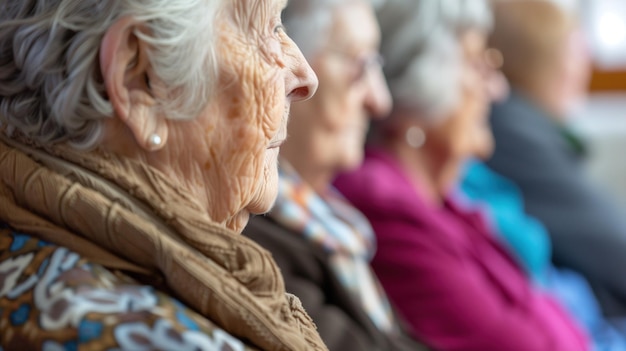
301	82
377	99
497	86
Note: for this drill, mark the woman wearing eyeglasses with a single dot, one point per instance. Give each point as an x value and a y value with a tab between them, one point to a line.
449	276
321	243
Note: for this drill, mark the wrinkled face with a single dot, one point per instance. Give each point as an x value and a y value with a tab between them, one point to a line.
466	132
230	151
327	132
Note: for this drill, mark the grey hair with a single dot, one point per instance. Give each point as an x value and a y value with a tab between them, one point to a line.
420	45
308	22
51	86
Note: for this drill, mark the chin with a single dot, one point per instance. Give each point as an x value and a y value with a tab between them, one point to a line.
353	152
238	222
266	193
264	203
352	161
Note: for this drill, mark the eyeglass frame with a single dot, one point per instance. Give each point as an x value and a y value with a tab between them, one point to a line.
365	64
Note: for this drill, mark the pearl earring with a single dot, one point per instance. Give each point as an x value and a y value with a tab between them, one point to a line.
415	137
155	140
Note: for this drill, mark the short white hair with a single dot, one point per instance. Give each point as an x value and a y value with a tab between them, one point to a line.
51	86
420	45
308	22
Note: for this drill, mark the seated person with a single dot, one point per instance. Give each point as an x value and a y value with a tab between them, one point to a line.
547	65
450	277
528	240
125	179
323	245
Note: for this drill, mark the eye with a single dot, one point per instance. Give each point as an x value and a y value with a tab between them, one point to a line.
280	29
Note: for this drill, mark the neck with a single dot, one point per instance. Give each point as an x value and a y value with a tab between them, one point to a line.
318	178
422	169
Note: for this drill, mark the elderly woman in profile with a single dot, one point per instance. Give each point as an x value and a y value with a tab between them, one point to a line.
439	261
136	140
322	244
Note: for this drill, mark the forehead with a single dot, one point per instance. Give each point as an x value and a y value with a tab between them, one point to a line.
354	27
255	9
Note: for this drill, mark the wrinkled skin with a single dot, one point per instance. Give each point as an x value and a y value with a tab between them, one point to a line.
327	132
237	168
227	156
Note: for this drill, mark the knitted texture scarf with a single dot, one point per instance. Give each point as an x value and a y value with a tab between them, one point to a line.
329	221
127	216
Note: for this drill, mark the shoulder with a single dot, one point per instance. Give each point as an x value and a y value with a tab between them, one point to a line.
526	140
517	117
292	252
378	186
395	208
51	298
272	235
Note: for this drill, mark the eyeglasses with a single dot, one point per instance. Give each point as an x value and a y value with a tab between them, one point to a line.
484	66
360	66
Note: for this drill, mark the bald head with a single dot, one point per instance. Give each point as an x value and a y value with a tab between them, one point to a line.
529	33
542	49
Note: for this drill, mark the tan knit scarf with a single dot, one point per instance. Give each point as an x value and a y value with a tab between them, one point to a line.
128	216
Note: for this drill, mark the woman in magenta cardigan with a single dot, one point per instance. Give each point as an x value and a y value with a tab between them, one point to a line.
455	284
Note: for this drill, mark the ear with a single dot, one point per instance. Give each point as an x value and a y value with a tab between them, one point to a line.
127	75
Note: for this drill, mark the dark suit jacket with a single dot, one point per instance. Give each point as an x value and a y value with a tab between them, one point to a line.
341	322
587	228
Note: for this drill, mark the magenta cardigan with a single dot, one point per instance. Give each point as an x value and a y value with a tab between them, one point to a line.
454	283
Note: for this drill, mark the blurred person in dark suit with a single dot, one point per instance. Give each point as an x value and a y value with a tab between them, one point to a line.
438	259
547	64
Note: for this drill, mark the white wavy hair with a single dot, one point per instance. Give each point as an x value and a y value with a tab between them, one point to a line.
51	86
308	22
420	45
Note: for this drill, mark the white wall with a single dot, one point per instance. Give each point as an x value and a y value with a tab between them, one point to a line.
602	122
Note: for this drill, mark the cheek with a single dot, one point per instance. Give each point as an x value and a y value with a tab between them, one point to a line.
263	90
341	114
471	128
254	86
456	136
256	104
274	109
334	101
255	117
254	108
